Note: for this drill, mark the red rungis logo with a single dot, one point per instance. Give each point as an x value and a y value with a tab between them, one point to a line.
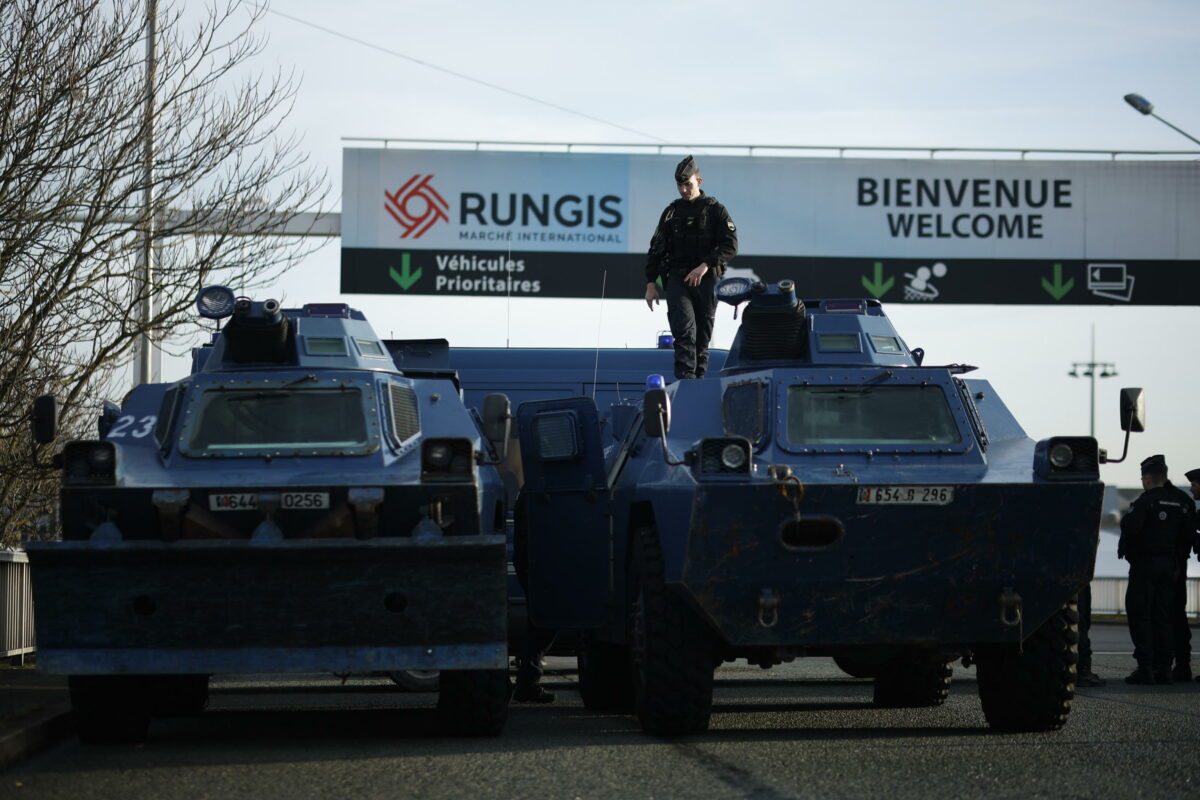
416	206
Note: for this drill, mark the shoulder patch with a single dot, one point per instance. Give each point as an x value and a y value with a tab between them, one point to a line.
732	227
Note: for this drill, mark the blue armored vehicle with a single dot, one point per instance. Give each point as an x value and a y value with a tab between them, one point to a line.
296	504
827	495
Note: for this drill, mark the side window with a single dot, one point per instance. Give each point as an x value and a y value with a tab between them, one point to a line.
743	410
406	421
964	394
166	418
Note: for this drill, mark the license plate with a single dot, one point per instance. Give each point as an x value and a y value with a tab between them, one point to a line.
248	501
905	495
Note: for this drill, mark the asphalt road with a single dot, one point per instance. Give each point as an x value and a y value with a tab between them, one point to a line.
801	730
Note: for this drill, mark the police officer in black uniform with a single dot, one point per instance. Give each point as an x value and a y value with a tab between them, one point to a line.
693	241
1156	534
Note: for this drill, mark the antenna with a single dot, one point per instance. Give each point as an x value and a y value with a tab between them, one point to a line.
508	301
599	325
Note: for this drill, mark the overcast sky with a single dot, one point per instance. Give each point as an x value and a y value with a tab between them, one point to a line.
922	73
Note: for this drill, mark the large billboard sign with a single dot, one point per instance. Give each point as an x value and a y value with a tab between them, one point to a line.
521	224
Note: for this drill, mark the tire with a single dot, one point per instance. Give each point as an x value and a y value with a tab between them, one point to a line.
416	680
1031	689
178	695
672	650
473	702
605	679
111	709
913	682
857	668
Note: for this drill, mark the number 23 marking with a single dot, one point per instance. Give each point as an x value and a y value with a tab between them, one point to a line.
125	423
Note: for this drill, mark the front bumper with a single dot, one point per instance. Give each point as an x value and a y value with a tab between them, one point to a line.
203	606
990	567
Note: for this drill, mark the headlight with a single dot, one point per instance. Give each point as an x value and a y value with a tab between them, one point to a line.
215	302
1067	458
447	460
89	463
1061	455
733	457
725	455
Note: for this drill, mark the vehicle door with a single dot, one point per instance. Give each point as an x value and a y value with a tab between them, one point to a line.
565	513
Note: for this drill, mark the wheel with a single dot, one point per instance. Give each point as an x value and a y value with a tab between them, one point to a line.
1031	688
672	650
415	680
605	683
473	702
178	695
857	668
912	682
110	709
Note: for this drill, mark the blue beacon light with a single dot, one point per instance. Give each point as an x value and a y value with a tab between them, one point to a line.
655	382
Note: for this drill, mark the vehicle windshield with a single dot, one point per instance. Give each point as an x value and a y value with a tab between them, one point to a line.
877	415
278	419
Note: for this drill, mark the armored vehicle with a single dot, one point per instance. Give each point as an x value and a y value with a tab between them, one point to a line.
827	495
296	504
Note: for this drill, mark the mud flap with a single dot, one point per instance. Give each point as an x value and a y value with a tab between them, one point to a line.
148	607
567	519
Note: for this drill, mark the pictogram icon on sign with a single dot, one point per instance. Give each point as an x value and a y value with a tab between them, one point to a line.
417	206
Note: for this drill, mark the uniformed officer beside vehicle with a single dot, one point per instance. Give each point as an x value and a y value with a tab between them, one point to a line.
694	239
1156	534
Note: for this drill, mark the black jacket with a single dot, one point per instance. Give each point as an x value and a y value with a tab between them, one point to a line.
690	232
1161	522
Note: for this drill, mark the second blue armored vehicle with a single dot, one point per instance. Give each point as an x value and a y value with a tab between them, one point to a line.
827	495
296	504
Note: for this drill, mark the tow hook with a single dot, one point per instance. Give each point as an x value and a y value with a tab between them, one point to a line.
1010	614
768	608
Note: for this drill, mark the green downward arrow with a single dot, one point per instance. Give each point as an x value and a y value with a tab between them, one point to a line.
1058	290
878	287
405	277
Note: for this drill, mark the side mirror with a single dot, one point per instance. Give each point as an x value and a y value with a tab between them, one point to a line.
108	417
497	422
656	412
43	418
1133	410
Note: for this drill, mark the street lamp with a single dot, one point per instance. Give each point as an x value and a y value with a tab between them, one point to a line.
1144	106
1093	369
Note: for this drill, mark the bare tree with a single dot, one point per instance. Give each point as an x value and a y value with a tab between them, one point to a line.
72	129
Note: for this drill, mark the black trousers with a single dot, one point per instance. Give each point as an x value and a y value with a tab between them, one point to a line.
691	312
1148	602
1084	605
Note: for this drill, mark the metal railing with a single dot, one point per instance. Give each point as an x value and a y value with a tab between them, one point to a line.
1108	596
16	606
840	151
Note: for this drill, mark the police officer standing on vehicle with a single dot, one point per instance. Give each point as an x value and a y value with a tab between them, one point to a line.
693	241
1156	534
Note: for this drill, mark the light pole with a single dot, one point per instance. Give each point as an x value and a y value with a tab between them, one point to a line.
1093	369
1144	106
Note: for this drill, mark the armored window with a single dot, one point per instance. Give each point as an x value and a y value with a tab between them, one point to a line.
554	436
886	344
325	346
871	415
370	347
742	410
838	343
303	421
406	421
